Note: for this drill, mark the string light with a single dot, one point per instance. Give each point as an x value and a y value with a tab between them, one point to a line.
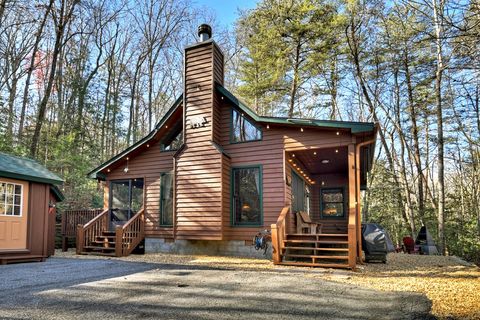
338	133
301	129
336	150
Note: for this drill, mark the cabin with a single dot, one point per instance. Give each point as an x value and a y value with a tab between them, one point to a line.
213	173
28	197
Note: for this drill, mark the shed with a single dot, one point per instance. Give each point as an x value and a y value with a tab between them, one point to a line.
28	197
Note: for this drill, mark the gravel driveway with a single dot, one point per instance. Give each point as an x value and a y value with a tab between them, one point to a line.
65	288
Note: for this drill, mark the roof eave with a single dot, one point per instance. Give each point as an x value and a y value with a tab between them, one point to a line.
18	176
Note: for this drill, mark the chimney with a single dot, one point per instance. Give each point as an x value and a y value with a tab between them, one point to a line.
204	32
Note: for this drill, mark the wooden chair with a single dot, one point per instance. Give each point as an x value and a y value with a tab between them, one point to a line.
305	223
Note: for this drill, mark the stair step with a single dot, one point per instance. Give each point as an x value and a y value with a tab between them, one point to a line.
99	248
316	257
315	241
310	264
100	242
318	249
318	234
108	254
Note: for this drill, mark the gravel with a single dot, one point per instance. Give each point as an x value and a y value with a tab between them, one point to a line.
188	287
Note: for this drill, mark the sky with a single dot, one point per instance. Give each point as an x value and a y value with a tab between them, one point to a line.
227	10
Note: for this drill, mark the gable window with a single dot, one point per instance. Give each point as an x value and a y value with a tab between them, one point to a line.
247	196
173	141
242	129
332	203
10	199
166	199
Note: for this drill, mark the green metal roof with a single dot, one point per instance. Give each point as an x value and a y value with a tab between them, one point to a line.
26	169
95	173
355	127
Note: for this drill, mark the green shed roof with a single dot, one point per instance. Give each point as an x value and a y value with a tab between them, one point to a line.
26	169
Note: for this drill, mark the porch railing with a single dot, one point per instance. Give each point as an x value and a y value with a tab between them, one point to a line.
279	234
87	233
128	236
71	219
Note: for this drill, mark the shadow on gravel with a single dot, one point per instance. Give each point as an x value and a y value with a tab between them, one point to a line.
84	288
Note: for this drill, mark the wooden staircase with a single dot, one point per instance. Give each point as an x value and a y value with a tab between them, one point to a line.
95	238
315	250
103	245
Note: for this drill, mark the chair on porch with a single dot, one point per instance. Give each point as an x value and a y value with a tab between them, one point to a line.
304	223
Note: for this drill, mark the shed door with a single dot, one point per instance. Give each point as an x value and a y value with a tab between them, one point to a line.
13	214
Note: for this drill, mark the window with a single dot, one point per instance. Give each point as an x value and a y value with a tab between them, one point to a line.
166	199
242	129
10	199
173	141
126	199
247	196
332	202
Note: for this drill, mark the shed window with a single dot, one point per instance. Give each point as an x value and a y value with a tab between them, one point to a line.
242	129
247	196
332	203
10	199
166	199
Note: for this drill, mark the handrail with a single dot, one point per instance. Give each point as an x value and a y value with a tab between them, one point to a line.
279	233
128	236
88	232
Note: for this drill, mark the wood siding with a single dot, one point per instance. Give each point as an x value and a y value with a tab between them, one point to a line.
148	165
198	167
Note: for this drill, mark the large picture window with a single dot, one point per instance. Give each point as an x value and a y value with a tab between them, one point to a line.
10	199
332	203
242	129
247	196
166	199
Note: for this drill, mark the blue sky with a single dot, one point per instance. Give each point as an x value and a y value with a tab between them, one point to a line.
226	10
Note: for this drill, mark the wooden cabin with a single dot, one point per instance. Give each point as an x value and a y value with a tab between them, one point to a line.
213	173
28	197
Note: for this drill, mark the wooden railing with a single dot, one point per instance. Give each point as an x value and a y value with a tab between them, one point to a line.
128	236
71	219
87	233
279	233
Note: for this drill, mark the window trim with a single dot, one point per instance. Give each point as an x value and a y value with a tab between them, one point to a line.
160	213
232	213
344	216
251	121
21	199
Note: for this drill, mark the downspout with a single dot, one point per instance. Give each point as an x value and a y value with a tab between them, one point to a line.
357	191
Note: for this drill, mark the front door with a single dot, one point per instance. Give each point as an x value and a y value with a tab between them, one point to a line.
13	214
126	198
298	193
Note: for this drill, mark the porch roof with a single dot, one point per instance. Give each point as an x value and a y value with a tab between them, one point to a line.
21	168
355	127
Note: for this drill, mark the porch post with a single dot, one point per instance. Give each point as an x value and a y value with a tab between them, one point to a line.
352	205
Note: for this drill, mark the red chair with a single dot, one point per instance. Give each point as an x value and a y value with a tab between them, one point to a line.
409	244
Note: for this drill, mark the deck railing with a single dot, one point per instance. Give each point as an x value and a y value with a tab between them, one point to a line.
88	232
128	236
279	234
71	219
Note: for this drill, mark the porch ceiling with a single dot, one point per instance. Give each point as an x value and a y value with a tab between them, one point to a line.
312	160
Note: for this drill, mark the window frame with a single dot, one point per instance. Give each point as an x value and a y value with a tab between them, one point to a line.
252	122
344	202
232	204
160	211
13	204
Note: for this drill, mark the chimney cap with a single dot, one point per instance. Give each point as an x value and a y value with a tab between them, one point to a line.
204	29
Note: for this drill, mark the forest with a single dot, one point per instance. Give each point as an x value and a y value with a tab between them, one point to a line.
80	80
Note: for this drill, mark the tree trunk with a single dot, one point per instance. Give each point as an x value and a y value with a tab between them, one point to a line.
294	88
439	112
30	69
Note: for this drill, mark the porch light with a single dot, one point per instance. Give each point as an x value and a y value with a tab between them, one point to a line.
325	161
301	129
128	159
323	183
221	97
336	150
268	126
148	146
289	160
166	127
314	153
293	155
338	133
108	170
